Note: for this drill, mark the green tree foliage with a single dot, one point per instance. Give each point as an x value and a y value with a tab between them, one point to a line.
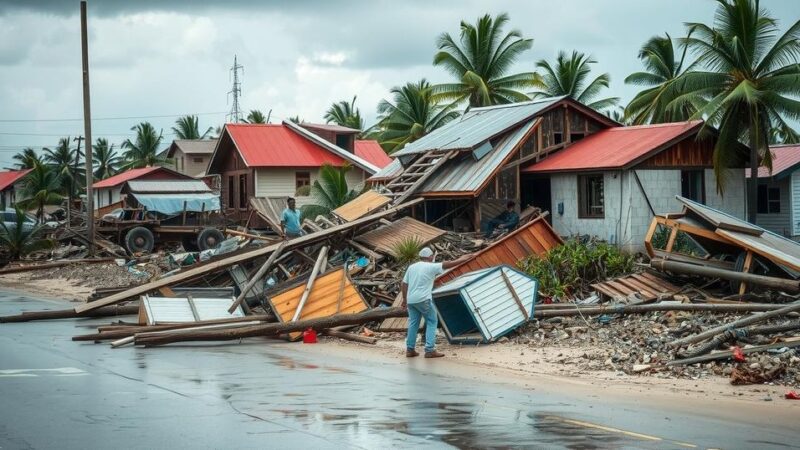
329	191
65	162
105	159
750	77
662	71
27	159
40	187
411	114
143	150
16	240
188	127
256	116
345	114
570	76
480	61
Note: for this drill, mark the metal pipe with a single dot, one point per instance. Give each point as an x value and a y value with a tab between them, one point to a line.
791	286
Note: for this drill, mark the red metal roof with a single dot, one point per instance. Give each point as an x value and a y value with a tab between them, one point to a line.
371	151
784	158
614	148
268	145
128	175
9	177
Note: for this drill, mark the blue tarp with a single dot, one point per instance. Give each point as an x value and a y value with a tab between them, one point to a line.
170	204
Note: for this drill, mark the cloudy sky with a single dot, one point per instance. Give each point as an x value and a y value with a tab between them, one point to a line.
157	59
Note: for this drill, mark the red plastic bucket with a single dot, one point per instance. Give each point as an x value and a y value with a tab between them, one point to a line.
309	336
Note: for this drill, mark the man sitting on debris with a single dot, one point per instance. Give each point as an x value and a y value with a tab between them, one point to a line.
416	290
291	220
506	220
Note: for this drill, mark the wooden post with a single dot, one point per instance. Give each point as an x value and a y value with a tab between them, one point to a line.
748	261
257	277
87	131
671	241
183	220
323	254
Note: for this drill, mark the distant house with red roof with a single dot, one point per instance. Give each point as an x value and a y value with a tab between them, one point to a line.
109	191
10	186
612	183
275	160
778	204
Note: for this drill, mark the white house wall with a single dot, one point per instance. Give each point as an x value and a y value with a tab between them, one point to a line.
101	196
627	214
280	182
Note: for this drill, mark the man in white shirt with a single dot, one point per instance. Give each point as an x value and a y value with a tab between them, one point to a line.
416	290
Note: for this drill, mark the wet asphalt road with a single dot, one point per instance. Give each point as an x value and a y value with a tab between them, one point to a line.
56	393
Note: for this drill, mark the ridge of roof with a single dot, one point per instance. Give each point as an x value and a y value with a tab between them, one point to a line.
342	153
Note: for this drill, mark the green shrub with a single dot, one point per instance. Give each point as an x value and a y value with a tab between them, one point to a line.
569	269
407	250
683	242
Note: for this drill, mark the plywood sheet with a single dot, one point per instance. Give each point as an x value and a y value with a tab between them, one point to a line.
322	301
364	204
385	238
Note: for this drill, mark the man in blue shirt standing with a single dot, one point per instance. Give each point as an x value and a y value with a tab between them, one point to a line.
291	220
416	290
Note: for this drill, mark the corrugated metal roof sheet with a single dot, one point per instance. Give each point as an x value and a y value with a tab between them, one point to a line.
351	157
476	126
194	146
371	151
614	148
465	174
489	303
9	177
120	178
330	127
391	170
785	158
267	145
162	310
168	186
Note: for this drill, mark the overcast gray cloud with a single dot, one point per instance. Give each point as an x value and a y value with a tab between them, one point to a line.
164	57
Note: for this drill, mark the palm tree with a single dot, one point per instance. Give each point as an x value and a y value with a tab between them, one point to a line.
329	191
105	159
256	116
345	114
480	61
40	188
27	159
143	151
662	69
188	127
65	162
296	119
751	80
570	76
21	239
411	114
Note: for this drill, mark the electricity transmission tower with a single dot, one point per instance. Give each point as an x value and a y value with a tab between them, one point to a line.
235	116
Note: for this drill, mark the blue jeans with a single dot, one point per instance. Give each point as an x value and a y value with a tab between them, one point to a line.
417	311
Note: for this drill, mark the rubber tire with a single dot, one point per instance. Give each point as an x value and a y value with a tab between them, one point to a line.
139	240
209	238
189	243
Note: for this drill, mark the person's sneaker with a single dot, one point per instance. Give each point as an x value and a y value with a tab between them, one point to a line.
411	353
434	354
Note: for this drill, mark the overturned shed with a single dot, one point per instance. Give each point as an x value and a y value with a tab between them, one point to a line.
483	306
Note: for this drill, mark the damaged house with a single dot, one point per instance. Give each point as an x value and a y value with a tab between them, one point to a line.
11	184
277	160
778	202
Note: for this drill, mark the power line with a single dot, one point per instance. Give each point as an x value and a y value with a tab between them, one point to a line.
113	118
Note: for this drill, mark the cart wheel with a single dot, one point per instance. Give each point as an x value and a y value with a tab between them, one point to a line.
189	243
209	238
139	240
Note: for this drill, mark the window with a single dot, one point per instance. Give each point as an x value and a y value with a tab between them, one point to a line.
231	194
693	185
575	137
343	141
110	200
769	200
302	179
590	197
507	184
197	160
242	191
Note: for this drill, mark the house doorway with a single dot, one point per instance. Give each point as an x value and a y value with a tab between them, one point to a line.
535	191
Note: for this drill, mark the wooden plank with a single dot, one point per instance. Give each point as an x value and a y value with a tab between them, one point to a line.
323	254
239	258
364	204
257	277
514	294
671	241
748	261
386	238
648	238
646	292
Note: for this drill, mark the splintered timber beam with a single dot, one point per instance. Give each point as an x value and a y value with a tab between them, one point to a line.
792	286
271	329
106	311
257	277
223	263
655	307
125	331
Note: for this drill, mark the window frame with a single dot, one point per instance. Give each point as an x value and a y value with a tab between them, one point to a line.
702	173
242	191
585	212
301	179
765	200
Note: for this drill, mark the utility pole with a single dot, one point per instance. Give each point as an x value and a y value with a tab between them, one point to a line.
78	139
87	125
235	116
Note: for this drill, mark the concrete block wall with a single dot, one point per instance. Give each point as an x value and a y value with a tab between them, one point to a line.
564	189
